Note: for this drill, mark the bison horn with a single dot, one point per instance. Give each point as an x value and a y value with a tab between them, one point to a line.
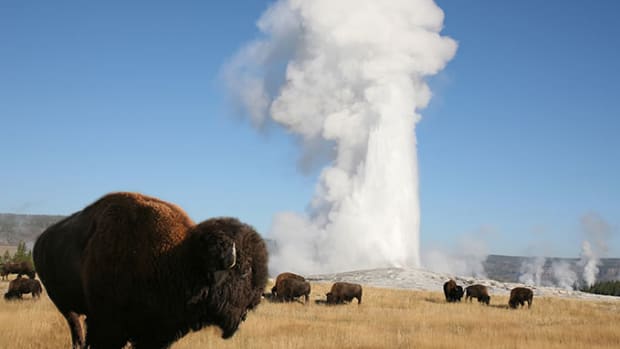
234	256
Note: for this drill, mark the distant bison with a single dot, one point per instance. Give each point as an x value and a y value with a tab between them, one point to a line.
452	291
344	292
19	268
520	295
477	291
292	288
21	286
142	272
281	277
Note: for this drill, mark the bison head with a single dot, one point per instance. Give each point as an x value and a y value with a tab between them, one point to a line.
215	251
484	299
458	293
331	299
12	295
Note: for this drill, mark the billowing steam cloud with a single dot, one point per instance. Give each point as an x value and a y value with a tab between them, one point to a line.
565	277
347	76
589	262
532	271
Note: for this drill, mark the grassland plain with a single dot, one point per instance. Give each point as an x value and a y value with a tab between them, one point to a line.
387	318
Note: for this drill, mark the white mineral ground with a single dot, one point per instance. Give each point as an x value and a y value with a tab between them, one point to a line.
420	279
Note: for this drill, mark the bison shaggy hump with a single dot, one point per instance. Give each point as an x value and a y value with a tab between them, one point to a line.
142	272
520	295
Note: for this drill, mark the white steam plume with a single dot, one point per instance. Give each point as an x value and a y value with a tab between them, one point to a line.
532	270
597	233
564	275
589	262
348	76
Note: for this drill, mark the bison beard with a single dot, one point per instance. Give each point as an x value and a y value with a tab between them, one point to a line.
142	272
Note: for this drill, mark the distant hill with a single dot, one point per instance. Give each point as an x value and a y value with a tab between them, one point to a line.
23	227
509	268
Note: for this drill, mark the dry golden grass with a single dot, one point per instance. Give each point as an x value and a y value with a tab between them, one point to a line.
386	319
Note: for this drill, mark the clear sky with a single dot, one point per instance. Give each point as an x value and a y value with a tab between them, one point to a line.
520	142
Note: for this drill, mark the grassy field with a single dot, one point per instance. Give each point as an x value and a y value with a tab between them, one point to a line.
386	319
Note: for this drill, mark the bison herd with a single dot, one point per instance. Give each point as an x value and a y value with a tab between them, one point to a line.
290	287
454	293
20	286
131	268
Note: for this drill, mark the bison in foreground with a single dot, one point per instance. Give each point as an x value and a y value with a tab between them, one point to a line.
452	291
19	268
477	291
143	272
281	277
520	295
21	286
344	292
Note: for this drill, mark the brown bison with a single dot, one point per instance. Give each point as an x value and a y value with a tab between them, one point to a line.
344	292
477	291
291	288
142	272
452	291
19	268
520	295
281	277
21	286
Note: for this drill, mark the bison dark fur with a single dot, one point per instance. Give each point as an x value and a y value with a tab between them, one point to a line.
19	268
21	286
344	292
477	291
142	272
452	291
291	288
281	277
520	295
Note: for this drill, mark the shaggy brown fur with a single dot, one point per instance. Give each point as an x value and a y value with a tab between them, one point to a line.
21	286
344	292
478	291
19	268
281	277
520	295
142	271
291	288
452	291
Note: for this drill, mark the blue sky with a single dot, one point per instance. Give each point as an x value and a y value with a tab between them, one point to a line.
519	143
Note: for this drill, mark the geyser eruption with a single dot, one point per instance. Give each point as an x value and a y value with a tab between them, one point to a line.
347	76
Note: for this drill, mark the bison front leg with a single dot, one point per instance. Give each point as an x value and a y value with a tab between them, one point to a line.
77	331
